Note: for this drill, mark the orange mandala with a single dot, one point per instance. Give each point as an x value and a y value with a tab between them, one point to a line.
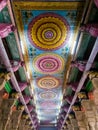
48	82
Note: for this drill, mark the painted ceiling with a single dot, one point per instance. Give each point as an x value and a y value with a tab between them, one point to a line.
48	34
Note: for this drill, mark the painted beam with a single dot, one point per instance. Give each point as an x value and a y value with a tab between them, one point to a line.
84	76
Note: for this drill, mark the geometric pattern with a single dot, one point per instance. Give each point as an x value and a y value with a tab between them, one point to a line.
48	95
48	82
48	63
48	31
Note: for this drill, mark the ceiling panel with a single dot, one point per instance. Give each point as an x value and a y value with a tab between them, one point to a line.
48	32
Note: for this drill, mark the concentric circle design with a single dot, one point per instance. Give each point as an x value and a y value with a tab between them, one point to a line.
48	95
48	105
48	63
48	82
49	34
48	31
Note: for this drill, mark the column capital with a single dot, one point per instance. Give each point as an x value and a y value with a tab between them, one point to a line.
90	28
3	3
5	29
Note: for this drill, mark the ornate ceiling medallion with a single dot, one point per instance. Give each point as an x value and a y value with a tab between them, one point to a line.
48	31
48	105
48	82
49	63
48	95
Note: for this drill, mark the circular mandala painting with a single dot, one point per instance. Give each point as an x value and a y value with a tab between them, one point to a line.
48	63
48	31
47	95
48	82
48	105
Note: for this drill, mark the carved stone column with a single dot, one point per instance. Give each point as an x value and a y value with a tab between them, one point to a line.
94	78
90	109
69	126
81	120
6	111
73	121
22	122
14	120
74	124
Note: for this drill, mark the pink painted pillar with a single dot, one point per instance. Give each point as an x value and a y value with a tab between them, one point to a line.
5	29
90	28
3	3
96	3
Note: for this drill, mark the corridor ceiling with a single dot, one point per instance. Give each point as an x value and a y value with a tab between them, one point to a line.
48	33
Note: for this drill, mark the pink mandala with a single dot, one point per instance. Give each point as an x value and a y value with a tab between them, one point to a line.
48	63
48	82
48	105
